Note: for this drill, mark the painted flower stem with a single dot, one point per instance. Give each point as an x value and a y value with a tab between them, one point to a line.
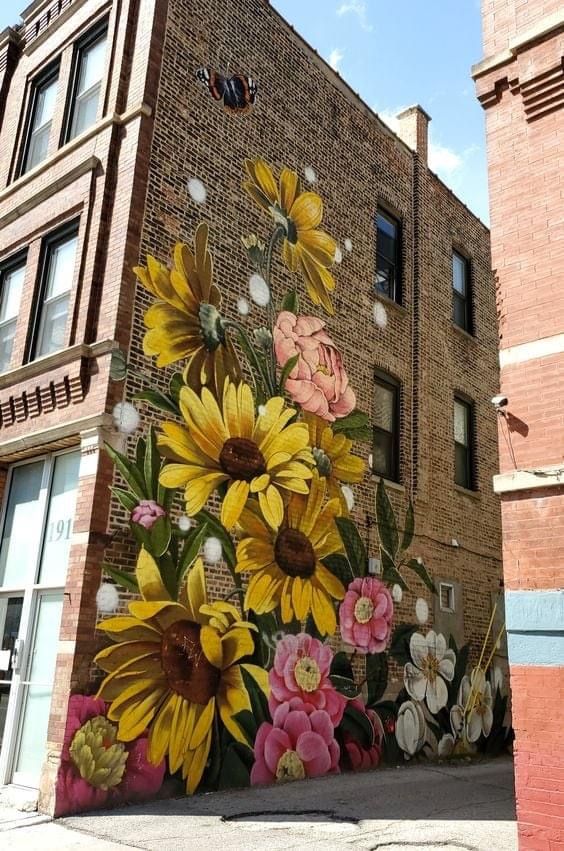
268	388
277	234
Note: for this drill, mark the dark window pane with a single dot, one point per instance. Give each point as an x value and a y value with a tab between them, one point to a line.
459	266
386	428
385	277
460	311
387	256
462	467
384	402
382	454
463	444
59	273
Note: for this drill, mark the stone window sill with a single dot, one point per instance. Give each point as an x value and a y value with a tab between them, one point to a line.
477	495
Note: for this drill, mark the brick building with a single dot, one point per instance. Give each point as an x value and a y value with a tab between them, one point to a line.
103	125
520	84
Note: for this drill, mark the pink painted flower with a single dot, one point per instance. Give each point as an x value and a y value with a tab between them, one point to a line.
359	758
96	769
318	382
365	615
301	669
147	512
299	743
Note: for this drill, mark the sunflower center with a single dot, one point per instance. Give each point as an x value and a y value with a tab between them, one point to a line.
241	458
294	553
187	670
99	759
210	326
363	609
290	767
323	461
307	674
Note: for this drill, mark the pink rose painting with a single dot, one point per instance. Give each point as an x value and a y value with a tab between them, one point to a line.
365	615
147	512
318	382
354	755
299	743
96	769
301	669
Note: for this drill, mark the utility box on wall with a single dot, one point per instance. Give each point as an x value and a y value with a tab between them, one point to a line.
448	609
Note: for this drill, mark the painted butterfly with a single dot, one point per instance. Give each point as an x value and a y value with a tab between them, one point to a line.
238	92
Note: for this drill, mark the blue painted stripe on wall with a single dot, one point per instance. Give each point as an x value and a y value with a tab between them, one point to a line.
536	648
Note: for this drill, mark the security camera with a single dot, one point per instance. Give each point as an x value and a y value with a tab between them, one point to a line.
500	401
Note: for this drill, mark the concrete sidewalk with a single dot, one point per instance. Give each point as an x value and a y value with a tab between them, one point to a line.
422	807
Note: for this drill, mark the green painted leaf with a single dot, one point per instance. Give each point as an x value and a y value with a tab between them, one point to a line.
357	725
354	547
176	384
341	666
120	577
167	569
339	566
160	534
291	302
129	471
192	546
235	770
409	527
142	536
376	676
399	647
355	421
311	628
390	573
152	464
345	686
422	573
140	447
288	367
259	703
158	400
216	528
125	498
246	721
386	520
359	435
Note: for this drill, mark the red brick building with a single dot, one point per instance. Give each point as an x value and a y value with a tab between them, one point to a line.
102	125
520	84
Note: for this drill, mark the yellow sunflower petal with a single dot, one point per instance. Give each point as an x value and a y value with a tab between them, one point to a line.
198	760
161	728
203	724
329	581
265	179
232	697
320	245
126	628
233	503
307	211
115	655
259	483
199	489
263	590
235	644
174	475
246	410
286	601
149	578
323	612
212	646
288	188
271	506
194	593
315	500
254	554
252	524
135	708
290	255
177	743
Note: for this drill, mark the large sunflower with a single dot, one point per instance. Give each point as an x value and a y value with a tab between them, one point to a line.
305	248
173	665
185	321
333	456
253	455
285	565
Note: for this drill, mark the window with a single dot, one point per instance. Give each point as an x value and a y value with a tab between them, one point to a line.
11	285
41	116
55	290
463	444
388	256
446	597
385	448
87	82
461	304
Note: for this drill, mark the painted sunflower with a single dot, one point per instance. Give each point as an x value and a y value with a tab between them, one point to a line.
173	666
333	457
185	321
305	247
285	565
259	455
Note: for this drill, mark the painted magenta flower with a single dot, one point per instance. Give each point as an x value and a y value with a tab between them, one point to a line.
366	614
433	667
285	564
301	669
147	512
318	382
185	321
261	455
355	756
299	743
411	728
306	248
333	457
97	769
475	698
174	667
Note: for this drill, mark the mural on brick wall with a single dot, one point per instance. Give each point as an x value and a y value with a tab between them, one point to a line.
287	676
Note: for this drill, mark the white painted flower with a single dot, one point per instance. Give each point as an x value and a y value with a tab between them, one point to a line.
446	746
348	244
410	727
475	695
380	315
212	550
496	678
338	257
397	593
107	598
243	306
184	523
197	190
310	175
349	496
126	417
421	610
457	721
258	289
433	664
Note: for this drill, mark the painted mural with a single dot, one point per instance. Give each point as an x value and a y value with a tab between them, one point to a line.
252	466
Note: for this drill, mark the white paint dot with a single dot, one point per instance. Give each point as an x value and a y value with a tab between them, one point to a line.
107	597
419	560
397	593
310	175
212	550
243	306
126	417
197	190
338	258
184	523
261	410
421	610
349	496
348	244
380	315
259	291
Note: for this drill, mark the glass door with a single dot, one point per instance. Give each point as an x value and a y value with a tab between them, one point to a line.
36	539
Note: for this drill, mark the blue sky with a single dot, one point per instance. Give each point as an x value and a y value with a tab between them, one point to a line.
397	54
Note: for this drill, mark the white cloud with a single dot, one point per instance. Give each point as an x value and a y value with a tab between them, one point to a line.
335	58
358	8
390	117
443	160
